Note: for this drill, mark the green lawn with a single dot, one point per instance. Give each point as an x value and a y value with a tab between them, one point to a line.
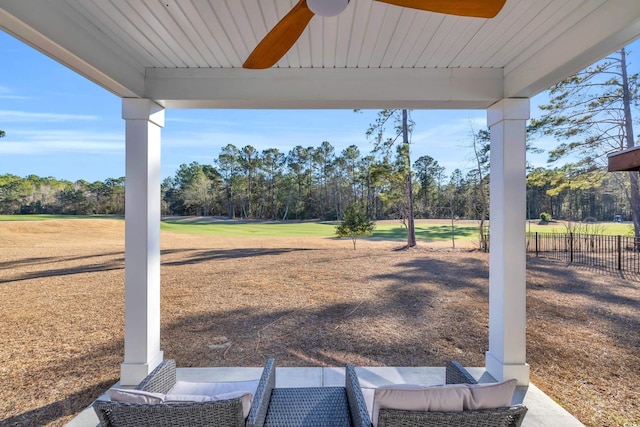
313	228
388	230
250	229
428	231
604	228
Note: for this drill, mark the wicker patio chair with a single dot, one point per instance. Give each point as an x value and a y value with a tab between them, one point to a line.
455	374
223	413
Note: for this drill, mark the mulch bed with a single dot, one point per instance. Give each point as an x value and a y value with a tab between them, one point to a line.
304	301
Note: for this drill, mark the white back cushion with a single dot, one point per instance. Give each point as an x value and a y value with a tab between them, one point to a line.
492	395
369	395
445	398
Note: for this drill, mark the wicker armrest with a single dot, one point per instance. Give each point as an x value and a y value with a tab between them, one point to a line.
260	402
357	405
227	413
161	379
500	417
457	374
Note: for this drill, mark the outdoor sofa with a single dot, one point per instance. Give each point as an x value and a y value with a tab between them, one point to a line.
158	407
305	407
503	416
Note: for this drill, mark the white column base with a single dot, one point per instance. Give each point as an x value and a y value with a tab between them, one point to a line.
132	373
502	371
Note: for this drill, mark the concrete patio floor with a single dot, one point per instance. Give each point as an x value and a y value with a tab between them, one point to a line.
543	411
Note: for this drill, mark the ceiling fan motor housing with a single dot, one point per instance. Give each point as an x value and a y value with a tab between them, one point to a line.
327	7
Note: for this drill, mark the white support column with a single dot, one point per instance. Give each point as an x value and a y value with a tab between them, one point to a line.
144	120
506	357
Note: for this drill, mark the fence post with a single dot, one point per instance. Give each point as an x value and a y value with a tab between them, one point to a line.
536	244
619	252
570	247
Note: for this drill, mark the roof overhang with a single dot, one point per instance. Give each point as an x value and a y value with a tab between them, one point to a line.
626	160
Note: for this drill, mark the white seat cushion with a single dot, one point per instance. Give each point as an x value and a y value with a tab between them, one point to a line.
184	391
215	391
134	396
178	398
244	396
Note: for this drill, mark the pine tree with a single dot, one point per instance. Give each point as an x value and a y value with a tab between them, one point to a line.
403	127
591	113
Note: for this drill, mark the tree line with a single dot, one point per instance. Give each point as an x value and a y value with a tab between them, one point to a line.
37	195
316	183
589	114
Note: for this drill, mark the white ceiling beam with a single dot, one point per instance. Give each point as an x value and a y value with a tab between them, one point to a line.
45	28
610	27
325	88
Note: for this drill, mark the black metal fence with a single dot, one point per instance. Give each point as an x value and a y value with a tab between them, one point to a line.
608	252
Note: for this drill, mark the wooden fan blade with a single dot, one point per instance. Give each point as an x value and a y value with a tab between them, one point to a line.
473	8
279	40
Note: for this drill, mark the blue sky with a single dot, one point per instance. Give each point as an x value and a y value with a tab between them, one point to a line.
60	124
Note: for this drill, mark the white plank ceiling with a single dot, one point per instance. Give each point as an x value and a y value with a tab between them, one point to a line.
189	53
368	34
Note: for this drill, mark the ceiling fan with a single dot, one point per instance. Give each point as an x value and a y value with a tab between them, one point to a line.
286	32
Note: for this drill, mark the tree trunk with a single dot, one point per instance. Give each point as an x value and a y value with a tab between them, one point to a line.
230	209
481	193
425	213
370	201
411	231
628	122
286	208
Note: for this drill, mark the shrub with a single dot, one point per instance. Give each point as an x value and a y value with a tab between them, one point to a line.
355	223
545	216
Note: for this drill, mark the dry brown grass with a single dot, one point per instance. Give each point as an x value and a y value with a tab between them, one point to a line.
306	302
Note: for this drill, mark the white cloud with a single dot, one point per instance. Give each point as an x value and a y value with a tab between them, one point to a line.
259	139
450	133
7	93
43	142
16	97
188	121
14	116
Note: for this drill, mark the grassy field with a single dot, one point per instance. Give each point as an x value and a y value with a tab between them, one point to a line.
250	229
427	230
433	230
